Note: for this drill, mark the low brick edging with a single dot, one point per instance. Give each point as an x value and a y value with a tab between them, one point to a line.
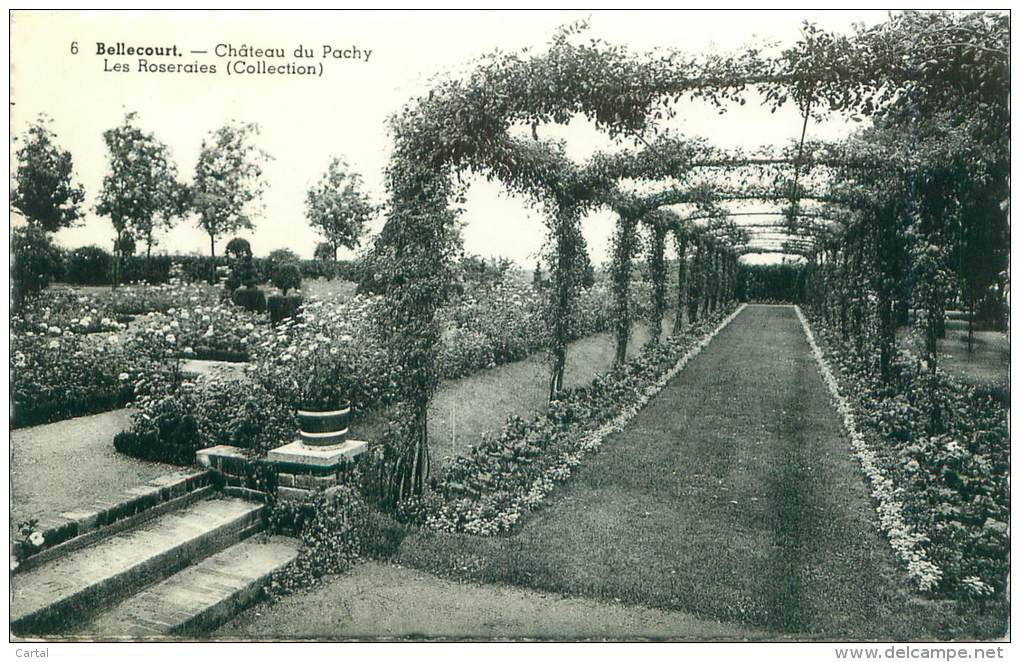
71	529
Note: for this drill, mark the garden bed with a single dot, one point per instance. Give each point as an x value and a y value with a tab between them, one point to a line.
943	494
503	478
732	496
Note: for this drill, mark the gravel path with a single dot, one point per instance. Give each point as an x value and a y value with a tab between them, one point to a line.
382	601
70	464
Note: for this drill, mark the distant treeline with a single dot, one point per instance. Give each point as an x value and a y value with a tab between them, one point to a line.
771	282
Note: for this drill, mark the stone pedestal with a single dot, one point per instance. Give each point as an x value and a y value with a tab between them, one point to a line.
302	469
229	459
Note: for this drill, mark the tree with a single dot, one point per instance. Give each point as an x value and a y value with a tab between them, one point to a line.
324	251
228	182
178	204
125	245
43	189
140	190
337	207
35	262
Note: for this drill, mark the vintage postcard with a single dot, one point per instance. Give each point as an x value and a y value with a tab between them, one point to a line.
507	326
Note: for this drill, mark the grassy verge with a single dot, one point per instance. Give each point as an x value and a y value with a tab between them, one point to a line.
372	602
464	410
732	496
986	363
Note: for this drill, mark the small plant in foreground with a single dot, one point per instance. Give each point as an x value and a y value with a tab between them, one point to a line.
329	525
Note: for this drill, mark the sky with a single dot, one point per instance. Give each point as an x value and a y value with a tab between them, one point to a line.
305	121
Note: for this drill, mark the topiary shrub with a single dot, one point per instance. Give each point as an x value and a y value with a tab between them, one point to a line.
237	247
249	298
281	307
36	262
286	276
242	269
89	265
242	272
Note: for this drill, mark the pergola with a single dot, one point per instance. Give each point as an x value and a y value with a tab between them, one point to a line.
831	204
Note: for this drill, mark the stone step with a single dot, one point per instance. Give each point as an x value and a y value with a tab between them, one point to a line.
55	595
198	598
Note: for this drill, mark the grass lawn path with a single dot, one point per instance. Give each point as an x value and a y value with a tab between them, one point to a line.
732	495
463	410
383	601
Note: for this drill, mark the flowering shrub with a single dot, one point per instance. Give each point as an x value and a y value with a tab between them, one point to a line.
30	540
219	330
501	321
55	311
942	498
175	421
328	523
487	491
329	353
334	348
61	375
94	312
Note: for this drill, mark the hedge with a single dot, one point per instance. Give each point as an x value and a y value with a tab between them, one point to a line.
92	265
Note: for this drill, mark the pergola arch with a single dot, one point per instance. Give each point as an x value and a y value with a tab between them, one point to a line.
466	125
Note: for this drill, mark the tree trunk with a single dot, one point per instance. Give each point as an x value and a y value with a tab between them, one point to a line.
561	298
410	470
931	350
212	253
706	295
971	311
940	326
694	279
886	335
558	368
118	251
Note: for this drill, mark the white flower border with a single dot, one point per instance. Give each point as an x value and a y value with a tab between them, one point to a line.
907	543
560	470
